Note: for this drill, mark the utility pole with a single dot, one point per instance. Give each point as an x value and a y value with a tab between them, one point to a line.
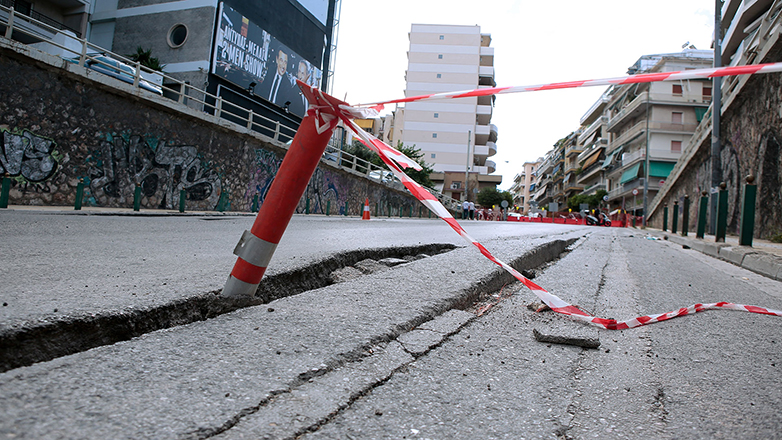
467	168
716	108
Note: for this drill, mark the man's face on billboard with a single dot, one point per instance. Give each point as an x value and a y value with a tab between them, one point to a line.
282	62
303	73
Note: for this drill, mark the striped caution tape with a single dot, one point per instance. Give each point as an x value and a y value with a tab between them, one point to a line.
396	161
630	79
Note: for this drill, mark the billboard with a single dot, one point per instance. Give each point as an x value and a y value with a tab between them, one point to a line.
255	60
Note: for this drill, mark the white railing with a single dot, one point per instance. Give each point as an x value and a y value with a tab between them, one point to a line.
185	94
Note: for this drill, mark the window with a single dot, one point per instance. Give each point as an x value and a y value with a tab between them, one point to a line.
22	7
707	94
434	135
437	115
442	37
439	75
676	118
676	146
177	35
677	89
434	155
440	56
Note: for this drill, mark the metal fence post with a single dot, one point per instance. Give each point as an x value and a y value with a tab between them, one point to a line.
6	189
79	195
686	216
328	207
665	217
703	210
722	213
747	226
182	199
254	207
9	29
307	207
137	197
675	222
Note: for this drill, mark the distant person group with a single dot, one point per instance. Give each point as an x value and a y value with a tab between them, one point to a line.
472	212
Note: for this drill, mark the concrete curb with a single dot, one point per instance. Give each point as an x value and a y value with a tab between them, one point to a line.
756	260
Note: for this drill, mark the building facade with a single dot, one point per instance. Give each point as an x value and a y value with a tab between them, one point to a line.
524	185
456	136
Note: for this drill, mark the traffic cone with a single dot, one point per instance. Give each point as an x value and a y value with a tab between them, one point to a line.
366	210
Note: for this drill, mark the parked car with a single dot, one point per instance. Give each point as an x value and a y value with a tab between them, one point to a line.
121	71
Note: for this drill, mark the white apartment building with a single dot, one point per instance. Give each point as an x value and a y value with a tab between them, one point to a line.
455	135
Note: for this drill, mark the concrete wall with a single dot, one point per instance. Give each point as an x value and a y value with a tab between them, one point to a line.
751	133
58	127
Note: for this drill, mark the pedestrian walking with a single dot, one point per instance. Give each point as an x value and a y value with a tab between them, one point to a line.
465	209
472	210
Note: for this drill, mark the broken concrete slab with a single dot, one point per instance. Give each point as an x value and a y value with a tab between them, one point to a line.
369	266
449	322
568	336
391	262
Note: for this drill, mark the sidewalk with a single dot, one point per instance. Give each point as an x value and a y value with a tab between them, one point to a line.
763	257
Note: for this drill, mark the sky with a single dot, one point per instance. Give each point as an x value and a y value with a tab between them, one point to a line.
535	42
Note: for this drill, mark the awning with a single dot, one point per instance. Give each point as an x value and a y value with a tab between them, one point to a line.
660	169
556	168
631	173
610	157
591	159
567	177
532	187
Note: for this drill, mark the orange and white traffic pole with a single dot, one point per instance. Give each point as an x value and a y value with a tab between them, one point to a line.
256	247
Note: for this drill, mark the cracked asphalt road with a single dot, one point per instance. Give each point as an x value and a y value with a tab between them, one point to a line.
712	375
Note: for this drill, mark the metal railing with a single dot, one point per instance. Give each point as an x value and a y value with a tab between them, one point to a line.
185	94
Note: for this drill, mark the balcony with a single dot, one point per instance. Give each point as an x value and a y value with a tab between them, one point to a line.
491	166
486	76
31	21
596	109
632	109
574	149
582	138
481	150
492	148
487	56
482	133
592	189
492	133
483	114
485	100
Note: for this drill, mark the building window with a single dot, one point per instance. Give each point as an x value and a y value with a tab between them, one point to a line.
434	155
440	56
676	146
434	135
707	93
677	89
177	35
437	115
439	75
442	37
676	118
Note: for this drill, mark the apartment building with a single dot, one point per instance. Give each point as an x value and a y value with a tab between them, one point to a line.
648	124
593	142
456	136
524	185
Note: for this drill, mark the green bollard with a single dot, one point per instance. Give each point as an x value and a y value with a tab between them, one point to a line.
419	212
183	198
665	217
254	207
400	211
346	208
747	226
686	216
722	213
79	195
307	207
377	209
633	220
328	207
430	213
675	222
702	213
6	190
137	197
411	212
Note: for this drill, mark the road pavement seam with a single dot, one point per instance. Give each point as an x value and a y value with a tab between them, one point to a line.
61	336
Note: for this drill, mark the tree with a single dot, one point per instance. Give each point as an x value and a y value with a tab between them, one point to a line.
492	197
145	58
593	200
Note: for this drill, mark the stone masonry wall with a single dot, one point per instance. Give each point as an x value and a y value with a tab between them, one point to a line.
751	133
58	128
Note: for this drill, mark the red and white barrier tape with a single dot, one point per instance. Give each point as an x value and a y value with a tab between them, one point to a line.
396	161
631	79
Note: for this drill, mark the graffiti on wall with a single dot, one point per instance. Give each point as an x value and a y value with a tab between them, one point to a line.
266	165
160	168
28	156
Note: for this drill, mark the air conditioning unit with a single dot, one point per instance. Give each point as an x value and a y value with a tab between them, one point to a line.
456	185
